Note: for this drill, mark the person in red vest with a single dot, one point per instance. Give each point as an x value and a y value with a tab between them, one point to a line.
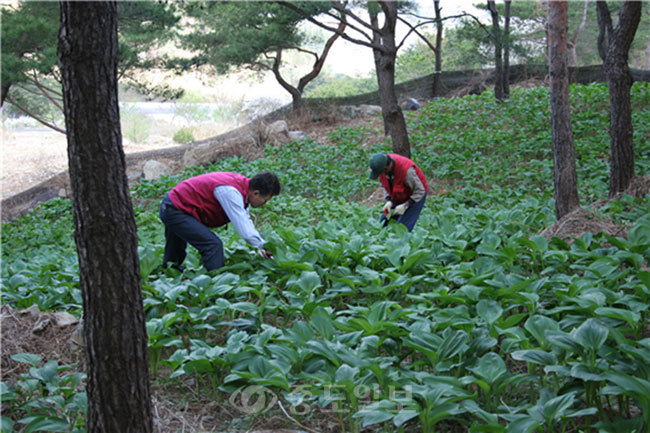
405	187
210	200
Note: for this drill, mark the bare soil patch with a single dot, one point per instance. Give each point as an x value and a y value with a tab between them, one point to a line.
30	157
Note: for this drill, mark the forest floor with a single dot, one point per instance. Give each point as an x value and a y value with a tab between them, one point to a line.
32	157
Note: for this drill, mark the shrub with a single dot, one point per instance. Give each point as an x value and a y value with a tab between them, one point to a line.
183	136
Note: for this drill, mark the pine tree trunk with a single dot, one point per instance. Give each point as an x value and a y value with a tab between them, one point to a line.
565	179
498	48
506	51
620	81
105	230
438	52
385	64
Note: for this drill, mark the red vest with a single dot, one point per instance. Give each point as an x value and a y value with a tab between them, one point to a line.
400	192
195	196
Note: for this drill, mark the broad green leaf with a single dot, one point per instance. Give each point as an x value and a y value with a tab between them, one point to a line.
523	424
346	373
202	281
644	276
592	334
563	340
244	307
368	274
535	356
46	423
403	416
308	281
6	424
489	310
490	367
396	252
453	344
636	386
557	406
619	313
376	412
322	322
45	373
583	372
537	325
541	244
27	358
639	235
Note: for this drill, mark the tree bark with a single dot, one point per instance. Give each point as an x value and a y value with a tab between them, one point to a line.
438	51
506	51
296	95
615	48
647	55
565	177
385	66
105	230
498	56
376	56
4	93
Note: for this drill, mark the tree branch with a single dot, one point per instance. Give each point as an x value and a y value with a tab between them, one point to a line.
46	92
330	28
33	116
318	65
481	25
413	29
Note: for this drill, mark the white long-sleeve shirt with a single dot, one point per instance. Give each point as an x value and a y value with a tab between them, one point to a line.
232	202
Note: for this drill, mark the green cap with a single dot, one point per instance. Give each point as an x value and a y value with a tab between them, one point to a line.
378	163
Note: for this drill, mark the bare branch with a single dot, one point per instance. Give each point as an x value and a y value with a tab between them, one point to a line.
342	34
34	116
347	12
318	64
413	29
46	91
481	25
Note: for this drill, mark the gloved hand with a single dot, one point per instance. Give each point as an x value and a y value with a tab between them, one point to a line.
264	253
400	209
387	207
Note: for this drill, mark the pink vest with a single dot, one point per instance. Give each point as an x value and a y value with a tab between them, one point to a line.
195	196
400	192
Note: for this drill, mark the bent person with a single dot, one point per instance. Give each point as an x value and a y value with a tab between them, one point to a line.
405	187
210	200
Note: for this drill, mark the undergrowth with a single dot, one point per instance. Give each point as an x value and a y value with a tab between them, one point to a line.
472	322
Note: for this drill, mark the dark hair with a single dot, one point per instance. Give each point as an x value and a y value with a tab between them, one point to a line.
266	183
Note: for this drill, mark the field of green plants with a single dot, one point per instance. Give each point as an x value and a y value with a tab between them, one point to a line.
473	322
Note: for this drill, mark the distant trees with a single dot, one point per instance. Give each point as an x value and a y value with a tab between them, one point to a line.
467	46
105	232
614	45
565	178
30	74
377	32
254	35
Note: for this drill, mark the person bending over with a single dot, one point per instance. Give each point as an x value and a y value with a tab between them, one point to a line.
210	200
405	187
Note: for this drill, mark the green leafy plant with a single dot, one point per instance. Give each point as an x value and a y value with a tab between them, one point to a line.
45	399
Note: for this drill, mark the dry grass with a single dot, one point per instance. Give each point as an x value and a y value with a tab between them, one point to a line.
584	220
33	331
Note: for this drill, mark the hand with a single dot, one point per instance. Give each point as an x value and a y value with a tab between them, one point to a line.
387	207
400	209
264	254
